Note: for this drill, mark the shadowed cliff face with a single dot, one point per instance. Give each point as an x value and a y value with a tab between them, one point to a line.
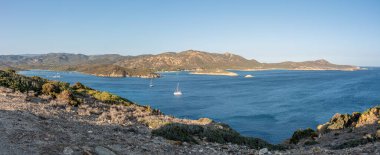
114	65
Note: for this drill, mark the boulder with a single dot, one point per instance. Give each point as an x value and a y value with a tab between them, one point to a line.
323	128
371	116
100	150
68	151
263	151
339	121
378	134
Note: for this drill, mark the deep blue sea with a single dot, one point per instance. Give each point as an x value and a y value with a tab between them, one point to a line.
270	106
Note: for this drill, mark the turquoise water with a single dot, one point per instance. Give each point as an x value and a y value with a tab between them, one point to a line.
271	105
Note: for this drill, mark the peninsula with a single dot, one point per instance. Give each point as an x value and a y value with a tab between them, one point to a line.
148	66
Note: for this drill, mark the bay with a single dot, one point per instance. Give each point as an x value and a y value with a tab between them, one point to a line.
271	105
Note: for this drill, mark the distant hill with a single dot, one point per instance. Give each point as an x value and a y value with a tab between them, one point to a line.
115	65
308	65
188	60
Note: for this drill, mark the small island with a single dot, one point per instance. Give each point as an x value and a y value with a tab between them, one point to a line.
215	72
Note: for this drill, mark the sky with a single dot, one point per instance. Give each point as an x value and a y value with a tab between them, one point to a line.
341	31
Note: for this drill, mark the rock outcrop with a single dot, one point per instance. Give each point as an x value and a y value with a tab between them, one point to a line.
371	116
349	133
356	119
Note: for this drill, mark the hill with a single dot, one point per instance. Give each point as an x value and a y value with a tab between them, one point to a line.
188	60
114	65
309	65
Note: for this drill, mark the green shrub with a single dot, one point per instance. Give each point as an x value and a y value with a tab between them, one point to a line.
311	142
300	134
218	133
10	79
80	87
53	88
179	132
106	97
50	89
99	95
16	82
68	97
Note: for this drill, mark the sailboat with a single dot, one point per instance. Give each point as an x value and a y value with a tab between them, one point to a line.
151	83
56	76
177	91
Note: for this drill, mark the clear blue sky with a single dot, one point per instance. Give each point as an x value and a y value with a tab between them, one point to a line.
341	31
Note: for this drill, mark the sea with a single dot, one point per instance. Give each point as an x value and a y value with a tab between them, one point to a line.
271	105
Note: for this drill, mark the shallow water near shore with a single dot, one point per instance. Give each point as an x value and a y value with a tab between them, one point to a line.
271	105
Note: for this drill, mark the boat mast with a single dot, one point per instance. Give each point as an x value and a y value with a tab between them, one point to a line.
177	90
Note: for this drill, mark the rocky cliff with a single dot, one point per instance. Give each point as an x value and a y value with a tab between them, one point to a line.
354	133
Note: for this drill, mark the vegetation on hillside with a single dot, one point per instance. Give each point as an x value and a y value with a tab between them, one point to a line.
55	89
16	82
301	134
106	97
220	133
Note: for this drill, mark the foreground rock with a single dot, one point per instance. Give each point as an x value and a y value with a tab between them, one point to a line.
55	118
39	125
34	125
344	134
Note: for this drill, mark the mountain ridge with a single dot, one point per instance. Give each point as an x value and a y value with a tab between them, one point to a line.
148	65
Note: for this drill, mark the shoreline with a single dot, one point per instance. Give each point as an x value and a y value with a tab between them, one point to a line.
215	73
226	72
300	69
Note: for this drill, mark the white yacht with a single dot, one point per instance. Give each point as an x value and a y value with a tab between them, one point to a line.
56	76
177	91
248	76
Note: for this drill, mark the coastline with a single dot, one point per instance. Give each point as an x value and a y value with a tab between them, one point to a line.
111	75
226	72
215	73
299	69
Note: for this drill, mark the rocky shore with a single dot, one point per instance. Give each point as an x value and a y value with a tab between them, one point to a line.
40	125
48	117
45	126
